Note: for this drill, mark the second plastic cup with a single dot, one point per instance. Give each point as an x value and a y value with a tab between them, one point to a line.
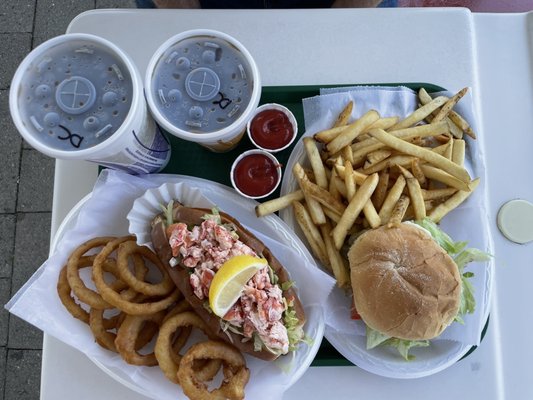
203	86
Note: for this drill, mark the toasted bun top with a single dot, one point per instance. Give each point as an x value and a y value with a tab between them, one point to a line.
404	284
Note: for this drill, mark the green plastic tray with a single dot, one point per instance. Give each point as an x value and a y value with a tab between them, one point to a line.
191	159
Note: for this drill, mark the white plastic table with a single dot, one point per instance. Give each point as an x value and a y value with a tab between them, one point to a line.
451	48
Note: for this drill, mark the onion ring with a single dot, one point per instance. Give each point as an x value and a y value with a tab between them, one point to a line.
140	272
178	308
182	334
100	326
114	298
205	369
236	374
164	349
151	289
128	334
65	291
86	295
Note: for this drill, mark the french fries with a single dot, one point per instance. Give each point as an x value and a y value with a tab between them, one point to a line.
442	209
458	152
381	189
271	206
422	153
346	137
459	123
354	208
392	198
444	111
398	211
315	210
374	171
310	232
344	116
415	193
322	196
337	263
316	162
420	114
349	180
370	145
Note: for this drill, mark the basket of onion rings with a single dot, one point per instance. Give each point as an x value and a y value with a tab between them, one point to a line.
119	303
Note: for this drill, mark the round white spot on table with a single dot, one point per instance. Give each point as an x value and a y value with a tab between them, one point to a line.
515	221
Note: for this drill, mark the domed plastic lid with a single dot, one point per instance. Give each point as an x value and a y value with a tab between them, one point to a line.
74	93
201	83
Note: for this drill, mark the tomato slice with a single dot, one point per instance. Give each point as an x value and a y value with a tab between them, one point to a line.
353	311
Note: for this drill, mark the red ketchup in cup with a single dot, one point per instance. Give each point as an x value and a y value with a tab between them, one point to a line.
273	127
256	174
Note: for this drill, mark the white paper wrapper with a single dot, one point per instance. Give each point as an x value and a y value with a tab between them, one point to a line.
469	222
146	207
104	213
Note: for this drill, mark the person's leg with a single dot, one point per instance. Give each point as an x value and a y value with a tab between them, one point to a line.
259	3
356	3
176	3
145	4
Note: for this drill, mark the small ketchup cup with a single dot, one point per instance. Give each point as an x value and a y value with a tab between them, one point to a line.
272	127
255	174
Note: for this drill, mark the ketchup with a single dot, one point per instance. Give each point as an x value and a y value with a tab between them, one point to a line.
271	129
256	175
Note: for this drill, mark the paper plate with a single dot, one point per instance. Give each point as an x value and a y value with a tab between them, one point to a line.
286	369
465	223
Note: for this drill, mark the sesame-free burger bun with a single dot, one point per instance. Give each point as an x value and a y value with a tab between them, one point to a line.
404	284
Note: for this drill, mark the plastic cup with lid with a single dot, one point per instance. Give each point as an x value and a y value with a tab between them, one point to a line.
80	97
203	86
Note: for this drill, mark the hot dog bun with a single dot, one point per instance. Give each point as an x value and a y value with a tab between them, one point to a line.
180	275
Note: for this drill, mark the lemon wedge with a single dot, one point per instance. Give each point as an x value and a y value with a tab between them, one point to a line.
228	283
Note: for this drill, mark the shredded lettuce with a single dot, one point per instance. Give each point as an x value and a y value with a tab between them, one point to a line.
308	340
206	305
287	285
168	212
467	303
214	216
258	343
441	237
295	331
375	338
403	346
272	275
294	328
462	256
470	255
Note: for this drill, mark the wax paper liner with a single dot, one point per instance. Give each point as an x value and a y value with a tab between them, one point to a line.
149	205
104	213
469	222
